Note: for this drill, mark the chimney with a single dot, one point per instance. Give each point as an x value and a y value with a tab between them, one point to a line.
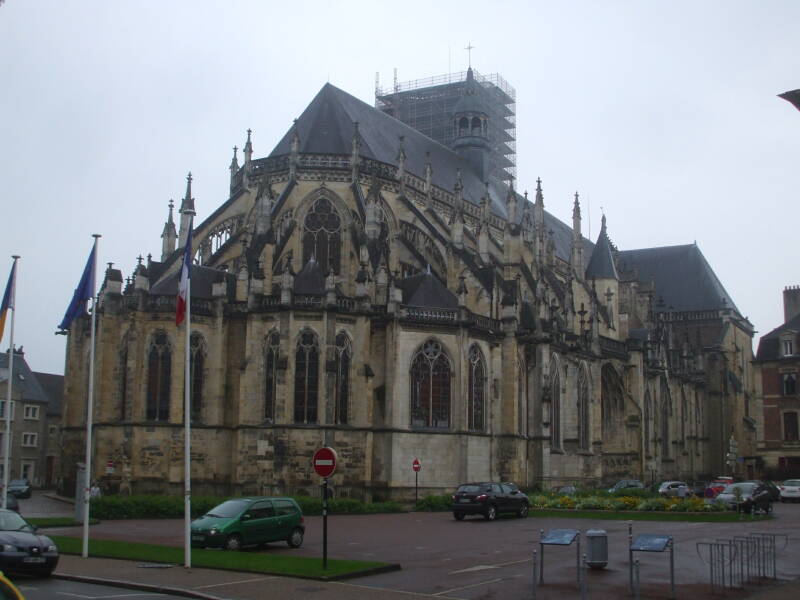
791	302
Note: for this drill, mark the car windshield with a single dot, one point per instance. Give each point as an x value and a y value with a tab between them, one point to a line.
229	508
18	482
472	487
792	482
744	488
11	521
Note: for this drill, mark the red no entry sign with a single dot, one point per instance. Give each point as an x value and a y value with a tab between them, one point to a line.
416	465
324	461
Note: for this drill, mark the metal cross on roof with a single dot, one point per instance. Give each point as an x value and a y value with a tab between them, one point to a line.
469	50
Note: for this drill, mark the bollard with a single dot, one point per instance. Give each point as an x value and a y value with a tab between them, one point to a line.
541	558
533	582
583	574
630	554
635	579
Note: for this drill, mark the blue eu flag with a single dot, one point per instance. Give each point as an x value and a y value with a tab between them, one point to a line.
84	292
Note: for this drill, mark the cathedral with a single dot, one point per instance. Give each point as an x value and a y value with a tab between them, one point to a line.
367	288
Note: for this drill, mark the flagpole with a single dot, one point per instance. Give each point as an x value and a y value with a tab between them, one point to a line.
87	487
7	449
187	420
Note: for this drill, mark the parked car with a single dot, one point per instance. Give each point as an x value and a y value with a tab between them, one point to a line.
625	484
566	490
737	496
673	489
489	499
248	522
772	489
12	503
790	490
716	486
698	488
21	488
22	549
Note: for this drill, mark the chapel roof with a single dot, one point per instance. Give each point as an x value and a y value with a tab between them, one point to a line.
601	265
310	280
203	279
424	289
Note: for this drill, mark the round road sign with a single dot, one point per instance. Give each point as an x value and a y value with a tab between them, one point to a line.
324	461
416	465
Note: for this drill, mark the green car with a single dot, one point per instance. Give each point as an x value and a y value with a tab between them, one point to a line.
248	522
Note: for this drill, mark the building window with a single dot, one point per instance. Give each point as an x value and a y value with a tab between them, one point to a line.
648	415
476	400
583	409
790	431
159	376
271	375
788	347
666	412
3	409
789	384
31	412
522	397
197	363
430	387
612	404
342	384
322	235
555	407
52	430
30	440
306	379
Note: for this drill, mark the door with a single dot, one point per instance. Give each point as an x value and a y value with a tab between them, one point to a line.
258	522
287	517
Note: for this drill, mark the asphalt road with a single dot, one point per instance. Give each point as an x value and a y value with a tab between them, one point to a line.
476	559
55	589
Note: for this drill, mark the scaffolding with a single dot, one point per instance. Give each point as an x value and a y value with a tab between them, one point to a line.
427	106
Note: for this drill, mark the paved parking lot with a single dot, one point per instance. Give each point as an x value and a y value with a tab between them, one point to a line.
475	559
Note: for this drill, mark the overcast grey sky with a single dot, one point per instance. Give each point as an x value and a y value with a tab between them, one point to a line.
663	113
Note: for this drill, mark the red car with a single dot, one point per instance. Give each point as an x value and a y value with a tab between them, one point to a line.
716	486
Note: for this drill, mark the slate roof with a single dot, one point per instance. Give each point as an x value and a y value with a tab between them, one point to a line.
769	344
423	289
25	382
683	278
203	279
601	265
310	280
53	386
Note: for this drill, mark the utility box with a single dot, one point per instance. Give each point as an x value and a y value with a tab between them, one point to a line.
597	553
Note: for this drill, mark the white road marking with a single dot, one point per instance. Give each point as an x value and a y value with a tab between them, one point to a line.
466	587
213	585
485	567
107	597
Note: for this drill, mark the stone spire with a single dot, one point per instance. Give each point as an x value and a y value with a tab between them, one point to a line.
169	236
248	150
511	204
576	252
355	150
294	152
428	180
187	211
234	164
401	166
538	222
457	220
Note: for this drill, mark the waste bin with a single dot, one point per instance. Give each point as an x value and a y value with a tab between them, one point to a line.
597	554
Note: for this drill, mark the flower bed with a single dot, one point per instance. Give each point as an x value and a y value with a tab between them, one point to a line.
622	503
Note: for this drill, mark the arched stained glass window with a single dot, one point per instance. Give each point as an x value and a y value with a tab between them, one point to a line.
159	377
430	387
342	383
271	350
476	402
583	409
322	235
555	407
197	363
306	378
612	403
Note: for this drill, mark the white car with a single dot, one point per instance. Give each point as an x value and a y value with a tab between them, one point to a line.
674	489
790	490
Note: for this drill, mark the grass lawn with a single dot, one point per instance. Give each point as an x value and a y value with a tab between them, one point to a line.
292	566
42	522
607	515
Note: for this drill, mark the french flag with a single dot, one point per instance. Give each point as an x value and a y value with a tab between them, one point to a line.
183	287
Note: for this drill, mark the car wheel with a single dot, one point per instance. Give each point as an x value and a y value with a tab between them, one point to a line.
234	542
458	516
523	510
491	513
295	539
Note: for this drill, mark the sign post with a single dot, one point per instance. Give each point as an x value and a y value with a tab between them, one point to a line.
324	462
416	465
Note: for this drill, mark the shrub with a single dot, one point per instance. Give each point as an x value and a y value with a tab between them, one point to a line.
440	502
539	501
628	502
566	502
633	493
593	503
652	504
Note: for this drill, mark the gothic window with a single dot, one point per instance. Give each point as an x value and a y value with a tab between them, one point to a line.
583	409
197	363
123	379
684	413
322	235
522	397
159	376
789	381
476	394
790	429
463	125
271	375
555	408
430	387
612	403
306	379
666	411
476	126
342	384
